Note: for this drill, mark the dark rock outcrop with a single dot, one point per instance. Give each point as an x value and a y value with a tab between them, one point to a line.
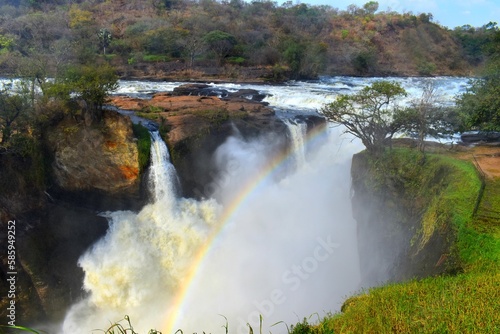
389	220
89	169
474	137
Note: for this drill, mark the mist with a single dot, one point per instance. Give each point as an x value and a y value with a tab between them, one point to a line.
290	250
286	252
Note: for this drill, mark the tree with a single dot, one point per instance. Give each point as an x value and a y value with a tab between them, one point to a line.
13	107
92	84
193	46
104	38
16	116
221	43
368	114
425	118
370	7
480	104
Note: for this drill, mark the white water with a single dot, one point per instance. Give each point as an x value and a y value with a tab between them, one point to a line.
287	252
307	97
298	132
142	261
163	178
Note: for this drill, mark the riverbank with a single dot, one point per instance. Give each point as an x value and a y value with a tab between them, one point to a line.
467	301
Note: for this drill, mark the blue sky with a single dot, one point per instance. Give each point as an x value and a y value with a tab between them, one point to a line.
448	13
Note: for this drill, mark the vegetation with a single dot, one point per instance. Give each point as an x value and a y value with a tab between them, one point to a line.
14	115
424	118
85	46
466	302
90	84
16	329
143	145
368	114
480	104
186	36
461	304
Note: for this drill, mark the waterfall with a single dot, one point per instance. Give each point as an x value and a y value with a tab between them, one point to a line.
145	257
163	177
298	132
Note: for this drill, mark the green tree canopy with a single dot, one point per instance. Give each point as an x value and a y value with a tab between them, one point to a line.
13	110
480	104
368	114
221	43
92	84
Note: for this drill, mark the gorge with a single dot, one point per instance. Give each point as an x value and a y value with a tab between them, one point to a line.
274	228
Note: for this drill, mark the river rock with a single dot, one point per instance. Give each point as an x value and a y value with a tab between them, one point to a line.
480	137
190	89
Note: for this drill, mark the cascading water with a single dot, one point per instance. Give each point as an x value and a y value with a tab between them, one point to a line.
163	177
142	261
298	132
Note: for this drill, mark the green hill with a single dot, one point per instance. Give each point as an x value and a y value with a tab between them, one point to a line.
260	40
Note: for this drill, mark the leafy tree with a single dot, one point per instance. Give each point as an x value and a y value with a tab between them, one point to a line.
370	7
221	43
293	55
104	38
13	108
480	104
92	84
368	114
365	61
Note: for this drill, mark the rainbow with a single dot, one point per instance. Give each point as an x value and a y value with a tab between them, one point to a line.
274	164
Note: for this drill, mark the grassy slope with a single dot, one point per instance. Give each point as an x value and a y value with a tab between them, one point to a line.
468	302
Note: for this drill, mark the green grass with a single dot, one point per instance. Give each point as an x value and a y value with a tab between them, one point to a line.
465	303
143	145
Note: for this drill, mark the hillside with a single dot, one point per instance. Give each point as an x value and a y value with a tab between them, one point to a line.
184	39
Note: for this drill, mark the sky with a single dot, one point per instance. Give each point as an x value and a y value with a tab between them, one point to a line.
448	13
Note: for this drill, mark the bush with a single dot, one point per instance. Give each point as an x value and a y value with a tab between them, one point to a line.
143	145
155	58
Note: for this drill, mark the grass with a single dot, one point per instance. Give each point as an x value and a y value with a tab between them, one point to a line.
17	329
143	145
465	303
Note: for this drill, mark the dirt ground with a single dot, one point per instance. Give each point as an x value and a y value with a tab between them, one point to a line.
487	157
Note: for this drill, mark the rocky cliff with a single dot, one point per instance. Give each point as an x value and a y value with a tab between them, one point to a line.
403	232
101	157
87	169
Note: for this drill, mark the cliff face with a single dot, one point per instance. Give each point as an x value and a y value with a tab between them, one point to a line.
89	169
98	157
402	231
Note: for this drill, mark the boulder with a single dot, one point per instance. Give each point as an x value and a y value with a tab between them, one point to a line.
100	157
480	137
